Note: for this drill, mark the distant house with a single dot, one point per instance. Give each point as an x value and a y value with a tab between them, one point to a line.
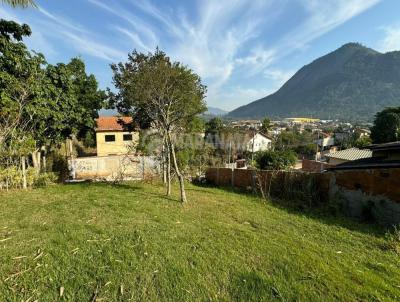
115	135
260	141
325	141
347	155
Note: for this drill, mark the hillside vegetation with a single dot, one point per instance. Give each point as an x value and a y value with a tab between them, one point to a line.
353	83
97	242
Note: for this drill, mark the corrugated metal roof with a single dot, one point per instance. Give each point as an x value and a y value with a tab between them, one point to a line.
350	154
386	146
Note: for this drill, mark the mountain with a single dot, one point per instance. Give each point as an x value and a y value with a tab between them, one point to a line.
352	83
215	111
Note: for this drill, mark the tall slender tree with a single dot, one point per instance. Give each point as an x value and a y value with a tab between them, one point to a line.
167	93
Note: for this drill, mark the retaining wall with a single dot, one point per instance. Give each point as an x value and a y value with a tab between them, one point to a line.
359	193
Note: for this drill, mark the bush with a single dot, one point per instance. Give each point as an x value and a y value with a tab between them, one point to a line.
11	178
275	160
393	239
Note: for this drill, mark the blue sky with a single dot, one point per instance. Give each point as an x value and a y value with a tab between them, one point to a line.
243	50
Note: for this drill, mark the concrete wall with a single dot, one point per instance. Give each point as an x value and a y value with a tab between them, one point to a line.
373	194
313	166
113	167
118	147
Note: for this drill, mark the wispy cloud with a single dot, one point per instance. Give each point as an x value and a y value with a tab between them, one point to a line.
93	48
140	33
228	43
322	17
278	76
391	40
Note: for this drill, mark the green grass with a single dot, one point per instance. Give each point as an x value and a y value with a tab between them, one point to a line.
130	243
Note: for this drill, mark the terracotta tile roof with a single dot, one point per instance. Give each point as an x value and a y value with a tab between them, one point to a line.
114	123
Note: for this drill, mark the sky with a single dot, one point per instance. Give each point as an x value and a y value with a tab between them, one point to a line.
242	49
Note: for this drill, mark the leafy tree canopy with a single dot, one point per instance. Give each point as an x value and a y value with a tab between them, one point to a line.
386	126
275	160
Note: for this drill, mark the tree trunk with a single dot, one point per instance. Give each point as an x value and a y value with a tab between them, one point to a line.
36	160
44	163
178	173
23	163
164	170
168	171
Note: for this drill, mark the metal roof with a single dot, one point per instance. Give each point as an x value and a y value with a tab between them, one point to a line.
350	154
367	163
386	146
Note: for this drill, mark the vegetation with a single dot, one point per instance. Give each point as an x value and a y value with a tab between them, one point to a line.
351	83
386	126
168	94
275	160
40	104
128	242
266	126
19	3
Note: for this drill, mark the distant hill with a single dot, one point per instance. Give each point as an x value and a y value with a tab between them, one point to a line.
215	111
353	83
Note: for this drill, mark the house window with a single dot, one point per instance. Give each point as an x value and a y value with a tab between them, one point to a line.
109	138
127	137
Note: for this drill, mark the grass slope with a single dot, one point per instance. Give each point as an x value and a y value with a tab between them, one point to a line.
130	243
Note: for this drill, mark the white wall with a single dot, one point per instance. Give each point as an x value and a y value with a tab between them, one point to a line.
261	143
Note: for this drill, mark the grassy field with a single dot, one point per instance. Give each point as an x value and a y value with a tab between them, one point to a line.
97	242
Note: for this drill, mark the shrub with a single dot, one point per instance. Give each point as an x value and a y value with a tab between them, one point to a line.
11	178
275	160
393	239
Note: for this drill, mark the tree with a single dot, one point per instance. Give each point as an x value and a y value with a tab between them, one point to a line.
386	126
19	3
164	92
266	126
275	160
363	142
214	125
42	102
20	78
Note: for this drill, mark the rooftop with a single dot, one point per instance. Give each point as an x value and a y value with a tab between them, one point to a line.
350	154
367	163
114	123
386	146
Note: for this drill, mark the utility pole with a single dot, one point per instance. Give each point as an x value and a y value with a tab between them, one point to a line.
316	153
230	152
252	148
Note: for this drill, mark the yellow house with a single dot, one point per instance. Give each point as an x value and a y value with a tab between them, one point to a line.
115	135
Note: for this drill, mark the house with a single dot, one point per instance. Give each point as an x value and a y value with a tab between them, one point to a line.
347	155
325	141
384	156
257	141
115	135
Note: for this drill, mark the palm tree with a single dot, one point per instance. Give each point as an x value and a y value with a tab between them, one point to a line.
19	3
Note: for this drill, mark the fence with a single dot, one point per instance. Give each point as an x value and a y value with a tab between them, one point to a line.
113	168
373	192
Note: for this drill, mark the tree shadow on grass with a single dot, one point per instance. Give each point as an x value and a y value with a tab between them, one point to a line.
322	212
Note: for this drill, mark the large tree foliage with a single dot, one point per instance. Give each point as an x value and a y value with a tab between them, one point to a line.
153	88
19	3
20	79
276	160
386	126
41	103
